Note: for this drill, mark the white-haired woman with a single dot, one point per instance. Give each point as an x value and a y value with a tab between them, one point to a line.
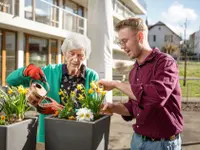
76	48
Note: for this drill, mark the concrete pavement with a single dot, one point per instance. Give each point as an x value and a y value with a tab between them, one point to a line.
121	132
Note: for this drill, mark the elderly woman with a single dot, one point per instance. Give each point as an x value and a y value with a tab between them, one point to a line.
75	48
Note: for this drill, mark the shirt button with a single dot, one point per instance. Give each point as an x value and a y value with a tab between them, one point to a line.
137	79
138	114
141	88
137	126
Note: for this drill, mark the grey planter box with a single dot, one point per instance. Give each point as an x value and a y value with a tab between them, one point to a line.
19	136
63	134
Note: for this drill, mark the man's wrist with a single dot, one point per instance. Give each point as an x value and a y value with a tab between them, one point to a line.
116	84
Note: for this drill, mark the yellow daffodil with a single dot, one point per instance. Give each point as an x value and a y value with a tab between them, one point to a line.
61	92
10	91
71	118
73	94
3	117
80	97
25	91
103	93
56	113
93	85
20	90
99	90
90	91
79	87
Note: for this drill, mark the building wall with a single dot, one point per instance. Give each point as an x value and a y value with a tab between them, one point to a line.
157	36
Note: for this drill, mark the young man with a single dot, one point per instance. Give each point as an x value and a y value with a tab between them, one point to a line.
153	90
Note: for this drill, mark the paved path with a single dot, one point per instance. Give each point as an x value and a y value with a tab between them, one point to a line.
121	132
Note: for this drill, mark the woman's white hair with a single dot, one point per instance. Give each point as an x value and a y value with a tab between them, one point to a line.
77	41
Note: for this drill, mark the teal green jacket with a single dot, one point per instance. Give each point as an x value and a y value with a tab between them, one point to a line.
54	75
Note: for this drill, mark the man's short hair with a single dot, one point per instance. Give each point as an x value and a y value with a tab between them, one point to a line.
134	23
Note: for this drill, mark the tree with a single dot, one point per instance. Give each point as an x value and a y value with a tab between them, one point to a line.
170	49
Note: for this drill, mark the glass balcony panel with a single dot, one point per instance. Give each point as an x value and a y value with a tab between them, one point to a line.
121	9
46	13
28	9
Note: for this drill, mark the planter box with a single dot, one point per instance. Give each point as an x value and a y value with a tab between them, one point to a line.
19	136
63	134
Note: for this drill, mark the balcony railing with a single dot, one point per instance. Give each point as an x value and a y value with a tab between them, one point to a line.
47	13
10	7
122	10
52	15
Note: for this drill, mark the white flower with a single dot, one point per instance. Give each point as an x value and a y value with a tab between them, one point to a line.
84	114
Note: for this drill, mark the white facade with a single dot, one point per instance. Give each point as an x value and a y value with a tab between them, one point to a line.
40	26
160	35
121	10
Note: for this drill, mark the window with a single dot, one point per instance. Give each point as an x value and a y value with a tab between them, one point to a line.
38	51
159	28
168	38
154	38
54	51
73	7
10	52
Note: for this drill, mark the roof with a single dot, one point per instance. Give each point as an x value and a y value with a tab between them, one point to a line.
159	23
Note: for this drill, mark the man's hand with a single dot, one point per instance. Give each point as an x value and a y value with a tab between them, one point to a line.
108	85
107	108
49	108
34	72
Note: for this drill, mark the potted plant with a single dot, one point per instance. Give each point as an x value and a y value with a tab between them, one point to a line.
81	127
16	131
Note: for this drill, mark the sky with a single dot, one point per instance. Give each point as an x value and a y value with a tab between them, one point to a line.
174	14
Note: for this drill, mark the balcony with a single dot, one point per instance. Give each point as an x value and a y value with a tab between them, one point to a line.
121	10
10	7
46	13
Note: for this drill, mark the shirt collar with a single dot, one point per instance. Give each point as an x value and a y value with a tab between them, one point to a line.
150	57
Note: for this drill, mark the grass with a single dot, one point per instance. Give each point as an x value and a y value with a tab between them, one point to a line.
193	69
192	88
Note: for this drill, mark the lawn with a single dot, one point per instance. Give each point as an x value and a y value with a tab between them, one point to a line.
193	69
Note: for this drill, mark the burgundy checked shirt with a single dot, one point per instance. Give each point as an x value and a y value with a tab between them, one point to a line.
157	107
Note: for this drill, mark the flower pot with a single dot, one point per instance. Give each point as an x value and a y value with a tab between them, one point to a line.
20	135
63	134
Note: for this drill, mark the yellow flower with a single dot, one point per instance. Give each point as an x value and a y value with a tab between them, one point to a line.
71	118
99	90
103	93
20	90
25	91
61	92
10	91
93	85
80	97
56	113
90	91
3	117
73	94
79	87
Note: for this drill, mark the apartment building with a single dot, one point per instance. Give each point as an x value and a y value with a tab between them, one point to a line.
32	31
